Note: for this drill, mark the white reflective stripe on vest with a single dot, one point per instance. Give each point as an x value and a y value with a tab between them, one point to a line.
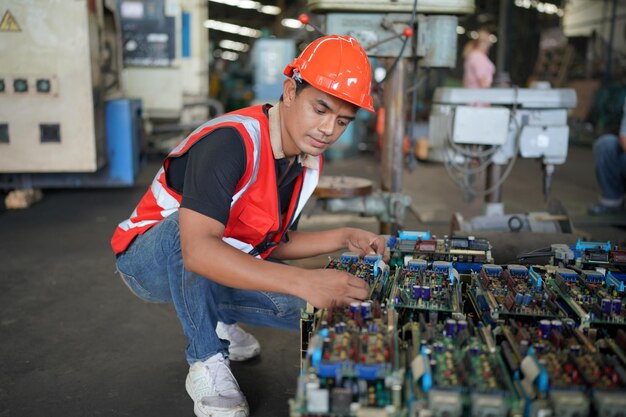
311	177
128	224
253	128
238	244
163	198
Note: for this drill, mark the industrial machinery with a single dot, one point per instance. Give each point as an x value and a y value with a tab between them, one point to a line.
393	31
495	340
80	84
64	120
477	131
165	59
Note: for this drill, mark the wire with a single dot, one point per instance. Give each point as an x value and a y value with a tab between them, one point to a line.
485	158
406	39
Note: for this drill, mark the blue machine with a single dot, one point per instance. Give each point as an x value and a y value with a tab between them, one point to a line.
123	136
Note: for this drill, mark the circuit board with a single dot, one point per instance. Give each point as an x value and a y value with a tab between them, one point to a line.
434	288
595	298
565	370
466	253
506	340
513	290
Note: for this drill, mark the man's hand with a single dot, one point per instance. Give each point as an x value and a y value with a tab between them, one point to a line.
366	243
328	287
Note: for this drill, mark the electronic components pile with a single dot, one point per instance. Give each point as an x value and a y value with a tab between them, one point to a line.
447	332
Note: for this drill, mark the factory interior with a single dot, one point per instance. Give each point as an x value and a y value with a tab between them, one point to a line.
500	292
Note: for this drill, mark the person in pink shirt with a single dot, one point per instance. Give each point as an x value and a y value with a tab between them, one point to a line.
478	68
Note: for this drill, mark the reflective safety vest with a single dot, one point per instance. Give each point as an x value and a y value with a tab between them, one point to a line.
255	224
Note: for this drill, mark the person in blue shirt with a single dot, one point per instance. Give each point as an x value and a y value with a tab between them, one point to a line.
609	153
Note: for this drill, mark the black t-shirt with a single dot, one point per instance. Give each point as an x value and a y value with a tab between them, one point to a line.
208	173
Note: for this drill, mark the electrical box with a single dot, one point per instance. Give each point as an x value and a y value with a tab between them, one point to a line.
58	65
480	125
151	51
165	50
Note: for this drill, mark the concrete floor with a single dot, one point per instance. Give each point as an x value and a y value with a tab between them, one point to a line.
75	342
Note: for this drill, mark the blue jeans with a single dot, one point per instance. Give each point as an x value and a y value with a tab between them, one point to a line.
610	162
152	267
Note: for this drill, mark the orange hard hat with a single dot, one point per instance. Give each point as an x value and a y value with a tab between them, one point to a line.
337	65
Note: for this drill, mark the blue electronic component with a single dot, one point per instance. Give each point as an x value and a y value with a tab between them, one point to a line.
593	277
467	267
413	235
371	259
517	271
535	279
581	246
417	265
567	274
368	372
441	267
616	279
492	270
348	257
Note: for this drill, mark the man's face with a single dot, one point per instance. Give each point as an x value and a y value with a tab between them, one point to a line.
313	120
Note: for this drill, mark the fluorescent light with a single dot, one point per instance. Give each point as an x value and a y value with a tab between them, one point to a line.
234	45
275	10
251	5
291	23
230	56
231	28
540	6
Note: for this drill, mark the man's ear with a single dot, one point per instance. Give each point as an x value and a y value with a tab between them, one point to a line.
289	91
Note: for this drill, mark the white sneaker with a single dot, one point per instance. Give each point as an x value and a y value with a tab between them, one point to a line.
214	389
243	345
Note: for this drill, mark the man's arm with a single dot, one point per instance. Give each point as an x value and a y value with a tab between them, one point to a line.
205	253
308	244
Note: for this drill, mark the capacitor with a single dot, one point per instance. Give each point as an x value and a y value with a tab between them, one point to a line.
575	349
340	327
544	327
540	348
557	325
366	309
527	299
519	299
474	350
426	293
373	328
438	347
450	327
606	306
461	325
417	292
354	307
616	306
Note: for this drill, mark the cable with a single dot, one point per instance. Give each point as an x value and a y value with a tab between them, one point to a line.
406	39
463	184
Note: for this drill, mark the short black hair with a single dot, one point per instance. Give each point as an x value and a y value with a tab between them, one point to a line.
300	85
